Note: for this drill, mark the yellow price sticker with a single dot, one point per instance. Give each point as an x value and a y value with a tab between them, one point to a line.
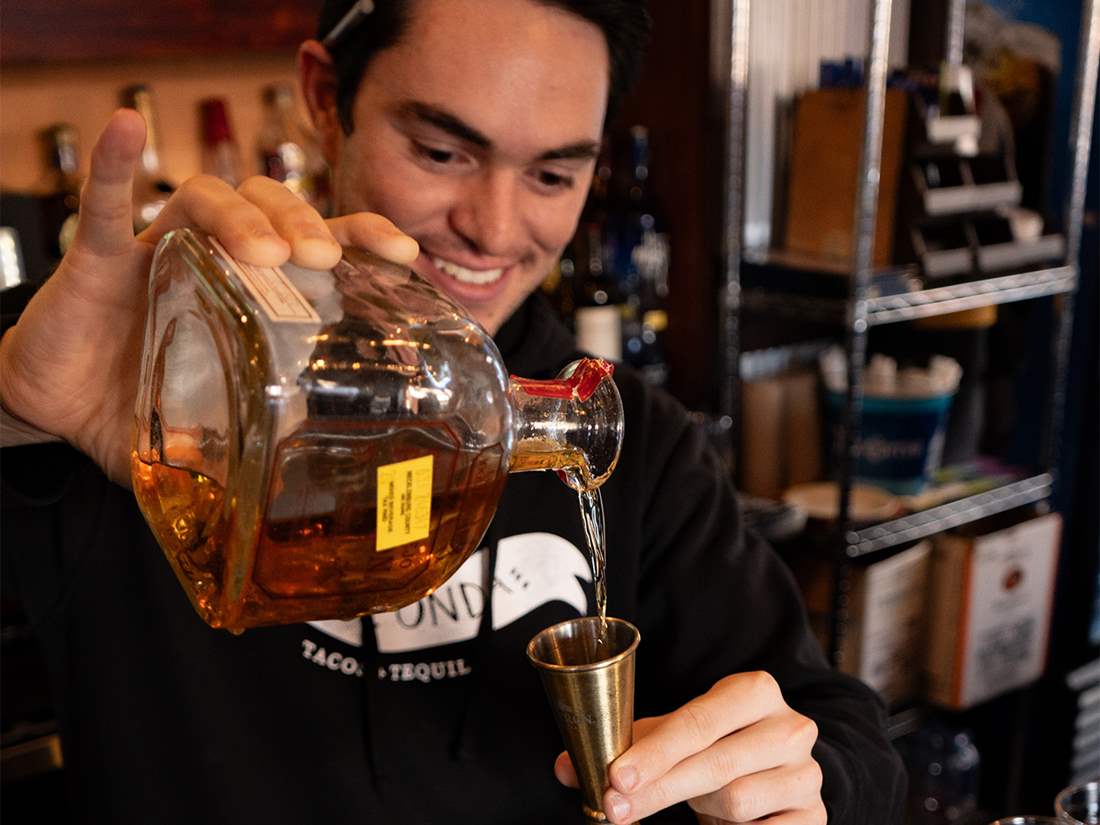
404	502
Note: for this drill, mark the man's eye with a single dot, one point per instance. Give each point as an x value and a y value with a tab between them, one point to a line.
553	180
433	154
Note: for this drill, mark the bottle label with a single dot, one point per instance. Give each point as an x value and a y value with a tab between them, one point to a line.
404	502
270	287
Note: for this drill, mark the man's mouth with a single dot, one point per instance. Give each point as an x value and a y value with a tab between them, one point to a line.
478	277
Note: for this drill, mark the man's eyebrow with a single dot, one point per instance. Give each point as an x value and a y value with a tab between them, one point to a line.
442	119
582	150
453	125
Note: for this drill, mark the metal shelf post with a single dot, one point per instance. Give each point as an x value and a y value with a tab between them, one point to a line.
856	320
1080	136
733	213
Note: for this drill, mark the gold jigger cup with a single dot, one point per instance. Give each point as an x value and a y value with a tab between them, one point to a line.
590	687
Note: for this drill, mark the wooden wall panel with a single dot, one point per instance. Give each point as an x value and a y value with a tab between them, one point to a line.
36	31
672	99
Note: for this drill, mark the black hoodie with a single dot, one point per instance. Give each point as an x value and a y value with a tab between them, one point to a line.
432	714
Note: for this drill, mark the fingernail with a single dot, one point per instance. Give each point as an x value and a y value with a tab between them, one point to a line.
628	778
620	808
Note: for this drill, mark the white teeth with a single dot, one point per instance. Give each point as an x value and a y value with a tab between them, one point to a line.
467	276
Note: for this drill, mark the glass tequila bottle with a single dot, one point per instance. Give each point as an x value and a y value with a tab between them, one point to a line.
326	444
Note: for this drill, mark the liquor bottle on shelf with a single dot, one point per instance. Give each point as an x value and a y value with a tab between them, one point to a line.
221	156
643	348
151	190
59	187
558	287
288	150
638	254
596	298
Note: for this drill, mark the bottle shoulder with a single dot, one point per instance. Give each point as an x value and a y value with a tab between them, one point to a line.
368	332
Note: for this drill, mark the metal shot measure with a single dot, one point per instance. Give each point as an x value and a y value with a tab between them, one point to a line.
589	684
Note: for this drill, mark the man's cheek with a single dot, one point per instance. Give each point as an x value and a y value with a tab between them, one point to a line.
558	231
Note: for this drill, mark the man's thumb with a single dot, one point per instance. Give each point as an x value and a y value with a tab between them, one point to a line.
106	219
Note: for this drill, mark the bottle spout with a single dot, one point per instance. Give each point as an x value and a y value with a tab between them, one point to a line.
572	424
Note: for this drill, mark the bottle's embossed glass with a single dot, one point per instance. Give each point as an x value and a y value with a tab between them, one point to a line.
324	444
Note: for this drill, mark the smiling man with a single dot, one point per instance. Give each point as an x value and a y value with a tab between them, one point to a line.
476	132
473	126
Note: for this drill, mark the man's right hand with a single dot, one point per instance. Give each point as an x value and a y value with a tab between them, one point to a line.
69	367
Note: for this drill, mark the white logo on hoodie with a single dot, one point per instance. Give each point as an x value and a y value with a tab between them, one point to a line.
532	569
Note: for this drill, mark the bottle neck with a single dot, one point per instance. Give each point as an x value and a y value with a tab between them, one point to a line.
572	424
141	99
215	123
61	159
639	155
279	111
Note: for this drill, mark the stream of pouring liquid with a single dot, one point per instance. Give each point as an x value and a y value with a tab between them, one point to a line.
572	465
595	534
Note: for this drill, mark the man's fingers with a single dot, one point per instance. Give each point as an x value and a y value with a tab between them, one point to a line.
793	788
210	204
312	245
756	748
366	230
565	772
563	765
106	225
733	703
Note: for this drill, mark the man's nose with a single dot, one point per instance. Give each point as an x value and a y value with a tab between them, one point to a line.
488	213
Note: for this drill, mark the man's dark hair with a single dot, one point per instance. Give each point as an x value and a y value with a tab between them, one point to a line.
625	25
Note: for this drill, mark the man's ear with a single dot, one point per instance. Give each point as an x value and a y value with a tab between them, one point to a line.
317	80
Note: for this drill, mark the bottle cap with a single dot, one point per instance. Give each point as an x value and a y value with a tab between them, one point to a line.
61	146
130	95
139	96
215	121
277	94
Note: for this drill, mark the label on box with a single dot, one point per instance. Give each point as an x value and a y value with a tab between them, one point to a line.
270	287
891	622
404	502
1011	588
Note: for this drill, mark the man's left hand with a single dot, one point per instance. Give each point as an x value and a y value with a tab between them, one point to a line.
738	753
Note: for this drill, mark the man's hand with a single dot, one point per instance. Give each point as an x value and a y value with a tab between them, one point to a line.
738	753
69	367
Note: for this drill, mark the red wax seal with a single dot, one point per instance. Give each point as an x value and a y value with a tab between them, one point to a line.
579	386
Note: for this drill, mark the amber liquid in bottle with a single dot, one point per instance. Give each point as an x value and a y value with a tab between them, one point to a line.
315	553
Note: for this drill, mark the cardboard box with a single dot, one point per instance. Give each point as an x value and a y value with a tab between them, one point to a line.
824	172
885	632
989	610
886	625
781	444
